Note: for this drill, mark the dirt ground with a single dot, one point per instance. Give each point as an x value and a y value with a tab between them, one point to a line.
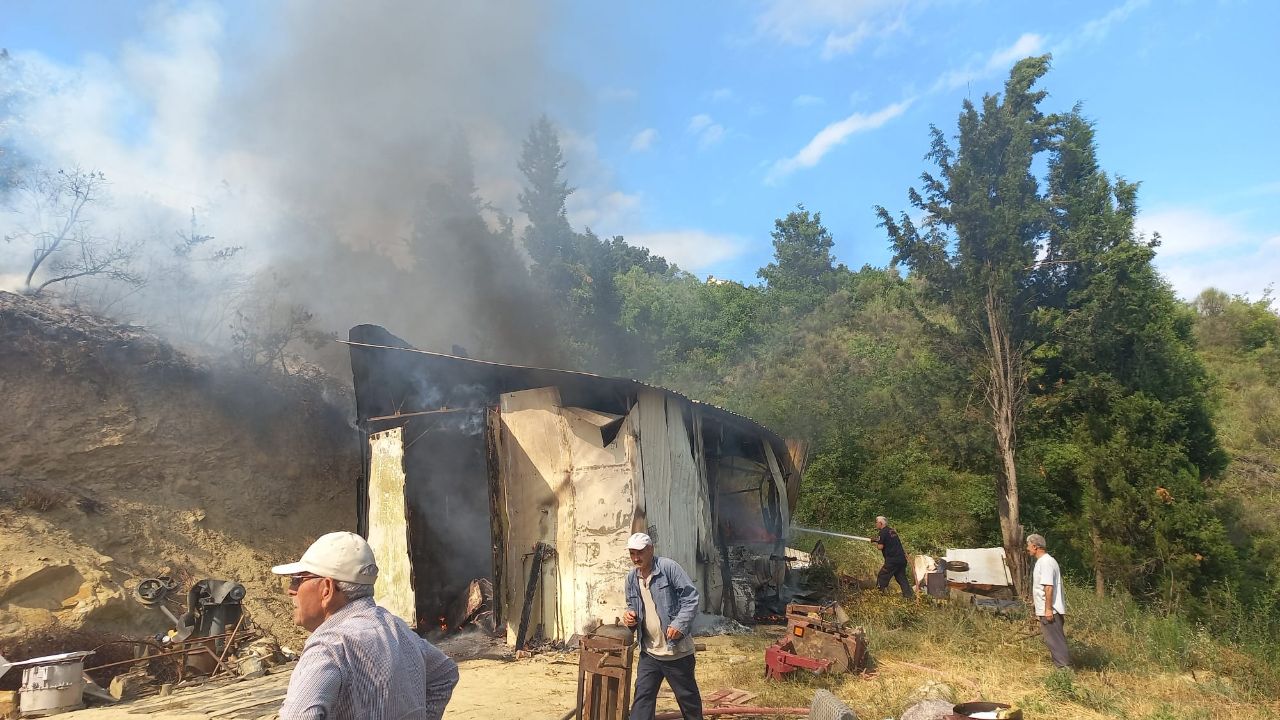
539	688
126	459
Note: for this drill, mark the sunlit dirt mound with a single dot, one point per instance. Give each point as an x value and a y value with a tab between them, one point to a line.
121	459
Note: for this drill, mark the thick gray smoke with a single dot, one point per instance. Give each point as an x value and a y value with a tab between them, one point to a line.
355	159
368	115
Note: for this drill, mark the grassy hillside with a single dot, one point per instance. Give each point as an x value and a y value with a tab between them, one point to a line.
1240	345
1130	662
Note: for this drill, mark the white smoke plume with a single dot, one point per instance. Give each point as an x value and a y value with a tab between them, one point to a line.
321	145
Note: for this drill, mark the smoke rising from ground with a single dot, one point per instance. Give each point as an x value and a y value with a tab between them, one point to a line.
336	150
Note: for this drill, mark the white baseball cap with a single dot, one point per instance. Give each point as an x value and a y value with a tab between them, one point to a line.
341	556
639	541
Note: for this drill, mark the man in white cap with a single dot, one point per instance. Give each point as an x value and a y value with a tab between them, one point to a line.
360	661
662	602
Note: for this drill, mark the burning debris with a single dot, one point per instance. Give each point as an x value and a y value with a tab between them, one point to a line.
472	608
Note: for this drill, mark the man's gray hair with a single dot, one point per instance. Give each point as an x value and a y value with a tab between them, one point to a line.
354	591
883	519
1036	539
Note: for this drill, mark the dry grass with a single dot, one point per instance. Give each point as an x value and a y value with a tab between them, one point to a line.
1128	665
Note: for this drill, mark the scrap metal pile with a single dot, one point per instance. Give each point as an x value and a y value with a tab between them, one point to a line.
211	637
819	639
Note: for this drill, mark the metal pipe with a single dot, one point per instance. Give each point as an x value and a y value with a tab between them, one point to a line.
739	710
832	534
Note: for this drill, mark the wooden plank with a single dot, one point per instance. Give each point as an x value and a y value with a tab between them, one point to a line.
223	711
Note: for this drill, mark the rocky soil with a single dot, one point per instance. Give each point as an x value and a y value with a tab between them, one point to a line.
122	458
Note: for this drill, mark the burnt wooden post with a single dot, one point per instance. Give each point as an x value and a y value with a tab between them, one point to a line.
541	551
605	659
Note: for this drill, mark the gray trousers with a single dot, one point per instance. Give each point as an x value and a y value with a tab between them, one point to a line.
1056	640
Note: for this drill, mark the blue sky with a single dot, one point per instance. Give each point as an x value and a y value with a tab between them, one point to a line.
690	127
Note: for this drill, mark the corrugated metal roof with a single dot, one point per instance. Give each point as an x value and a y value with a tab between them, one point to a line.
728	414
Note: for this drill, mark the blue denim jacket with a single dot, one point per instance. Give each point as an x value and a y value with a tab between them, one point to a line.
673	593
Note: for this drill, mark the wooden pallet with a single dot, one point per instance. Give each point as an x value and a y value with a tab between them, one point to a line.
727	697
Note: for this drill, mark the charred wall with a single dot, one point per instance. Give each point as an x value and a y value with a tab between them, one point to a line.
441	402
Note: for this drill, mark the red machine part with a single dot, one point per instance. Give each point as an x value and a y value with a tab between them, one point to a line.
780	660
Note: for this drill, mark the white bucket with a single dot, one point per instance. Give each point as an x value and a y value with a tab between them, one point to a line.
52	689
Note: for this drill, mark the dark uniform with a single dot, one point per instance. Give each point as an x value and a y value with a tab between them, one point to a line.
895	562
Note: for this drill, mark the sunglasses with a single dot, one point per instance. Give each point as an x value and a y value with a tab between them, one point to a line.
296	581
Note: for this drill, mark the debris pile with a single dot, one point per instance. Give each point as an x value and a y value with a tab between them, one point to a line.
819	639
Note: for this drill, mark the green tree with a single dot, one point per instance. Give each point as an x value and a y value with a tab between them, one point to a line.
803	272
575	272
694	331
548	238
984	218
1120	403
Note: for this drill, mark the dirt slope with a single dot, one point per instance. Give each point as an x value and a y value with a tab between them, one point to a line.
121	458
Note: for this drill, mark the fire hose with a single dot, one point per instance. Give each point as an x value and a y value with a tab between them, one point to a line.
953	565
832	534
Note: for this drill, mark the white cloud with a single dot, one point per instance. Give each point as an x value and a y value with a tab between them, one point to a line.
841	25
833	136
1096	30
707	130
1026	45
1186	231
721	95
843	44
607	212
643	140
596	202
1200	249
691	249
800	22
807	101
711	136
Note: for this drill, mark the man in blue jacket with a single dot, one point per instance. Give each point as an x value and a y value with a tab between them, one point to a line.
661	602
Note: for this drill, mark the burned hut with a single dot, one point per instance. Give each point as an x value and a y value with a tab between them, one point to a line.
528	481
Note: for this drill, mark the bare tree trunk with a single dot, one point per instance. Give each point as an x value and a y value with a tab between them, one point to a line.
1004	391
1099	587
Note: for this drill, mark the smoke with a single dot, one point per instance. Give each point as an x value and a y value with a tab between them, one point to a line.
360	156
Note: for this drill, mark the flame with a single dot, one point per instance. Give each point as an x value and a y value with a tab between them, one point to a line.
444	624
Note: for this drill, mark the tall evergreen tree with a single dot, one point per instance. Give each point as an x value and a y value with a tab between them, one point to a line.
575	272
984	218
548	238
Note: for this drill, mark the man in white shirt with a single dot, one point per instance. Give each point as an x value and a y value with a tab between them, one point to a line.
361	662
1050	605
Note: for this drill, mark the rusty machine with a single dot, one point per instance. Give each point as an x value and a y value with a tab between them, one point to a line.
204	636
819	639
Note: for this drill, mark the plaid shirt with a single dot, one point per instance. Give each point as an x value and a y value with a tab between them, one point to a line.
364	662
